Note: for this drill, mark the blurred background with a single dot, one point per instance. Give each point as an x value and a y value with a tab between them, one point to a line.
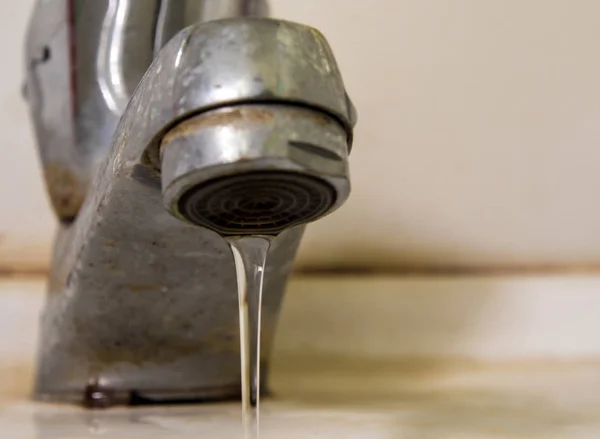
477	153
476	148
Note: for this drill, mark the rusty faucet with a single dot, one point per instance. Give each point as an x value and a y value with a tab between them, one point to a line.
162	127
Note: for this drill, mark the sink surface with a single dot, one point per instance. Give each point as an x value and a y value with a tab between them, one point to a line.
322	396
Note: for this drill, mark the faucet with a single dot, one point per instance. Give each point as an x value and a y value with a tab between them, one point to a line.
164	126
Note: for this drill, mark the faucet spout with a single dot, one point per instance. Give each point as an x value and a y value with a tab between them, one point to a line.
239	126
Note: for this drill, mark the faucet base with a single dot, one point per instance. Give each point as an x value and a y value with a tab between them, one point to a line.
150	315
95	397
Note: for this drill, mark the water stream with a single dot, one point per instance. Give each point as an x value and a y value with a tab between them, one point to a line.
250	255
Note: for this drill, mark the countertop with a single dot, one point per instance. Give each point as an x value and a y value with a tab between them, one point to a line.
318	394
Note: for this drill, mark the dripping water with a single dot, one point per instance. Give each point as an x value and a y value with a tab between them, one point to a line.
250	256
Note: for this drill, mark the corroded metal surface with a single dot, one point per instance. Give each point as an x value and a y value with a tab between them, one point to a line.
269	138
142	304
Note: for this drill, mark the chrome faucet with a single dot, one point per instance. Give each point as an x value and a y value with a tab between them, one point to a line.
164	125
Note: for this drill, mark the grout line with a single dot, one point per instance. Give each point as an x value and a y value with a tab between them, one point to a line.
365	271
445	271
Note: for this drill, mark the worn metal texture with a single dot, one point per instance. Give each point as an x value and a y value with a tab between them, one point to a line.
175	15
48	92
237	61
79	81
84	59
142	304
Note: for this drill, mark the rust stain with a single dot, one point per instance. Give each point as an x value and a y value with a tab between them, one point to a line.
109	244
218	118
67	191
319	118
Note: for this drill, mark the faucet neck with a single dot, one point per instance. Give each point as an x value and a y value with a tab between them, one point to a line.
85	58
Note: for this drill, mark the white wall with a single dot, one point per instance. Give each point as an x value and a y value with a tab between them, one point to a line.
478	141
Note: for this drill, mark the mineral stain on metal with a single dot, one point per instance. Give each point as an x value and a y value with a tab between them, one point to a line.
250	256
